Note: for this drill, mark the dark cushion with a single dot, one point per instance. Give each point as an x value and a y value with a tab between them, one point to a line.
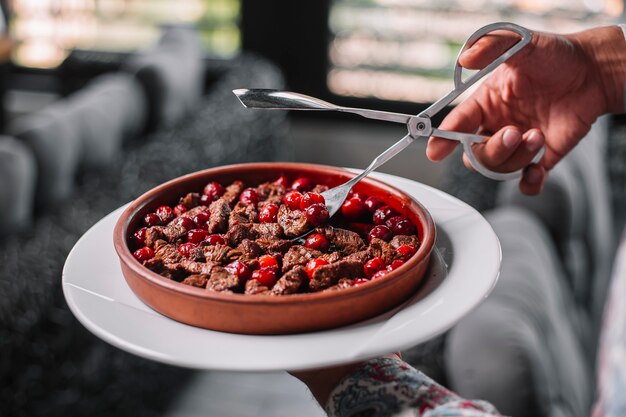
18	172
172	74
53	135
109	110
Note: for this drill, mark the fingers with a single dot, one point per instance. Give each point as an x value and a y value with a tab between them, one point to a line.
497	150
466	117
437	148
486	49
533	179
508	150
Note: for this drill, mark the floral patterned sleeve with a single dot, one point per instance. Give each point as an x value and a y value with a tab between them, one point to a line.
388	386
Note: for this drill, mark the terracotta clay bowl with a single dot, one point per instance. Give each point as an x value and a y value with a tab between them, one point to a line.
266	314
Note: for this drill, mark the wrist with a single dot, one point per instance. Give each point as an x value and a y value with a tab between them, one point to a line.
605	50
321	382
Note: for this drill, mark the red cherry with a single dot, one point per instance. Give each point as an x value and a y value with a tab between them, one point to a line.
139	237
321	188
143	254
180	209
152	219
196	235
372	203
373	265
392	221
213	190
185	249
310	199
186	223
239	268
268	213
268	261
206	200
353	209
316	214
360	281
165	213
292	199
358	196
395	265
214	239
404	227
201	220
266	276
302	184
313	264
380	232
380	273
282	181
406	251
249	196
384	213
317	241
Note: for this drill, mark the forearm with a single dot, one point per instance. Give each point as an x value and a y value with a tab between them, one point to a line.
605	48
321	382
388	386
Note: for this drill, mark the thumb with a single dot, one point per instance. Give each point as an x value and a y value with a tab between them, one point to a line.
488	48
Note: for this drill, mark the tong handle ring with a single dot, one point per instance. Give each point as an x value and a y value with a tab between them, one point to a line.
526	37
498	176
460	86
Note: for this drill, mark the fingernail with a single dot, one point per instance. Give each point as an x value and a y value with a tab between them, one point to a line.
533	176
467	52
511	138
534	141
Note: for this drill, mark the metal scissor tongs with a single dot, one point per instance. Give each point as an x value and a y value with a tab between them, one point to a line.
418	126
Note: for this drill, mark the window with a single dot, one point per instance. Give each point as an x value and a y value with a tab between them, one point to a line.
45	30
404	50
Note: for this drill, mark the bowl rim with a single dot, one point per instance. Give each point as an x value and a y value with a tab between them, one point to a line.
124	253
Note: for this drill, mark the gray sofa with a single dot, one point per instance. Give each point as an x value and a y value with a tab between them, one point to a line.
67	166
530	347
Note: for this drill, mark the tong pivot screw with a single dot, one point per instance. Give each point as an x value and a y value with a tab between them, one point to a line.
419	126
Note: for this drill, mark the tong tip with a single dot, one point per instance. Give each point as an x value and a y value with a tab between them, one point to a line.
241	92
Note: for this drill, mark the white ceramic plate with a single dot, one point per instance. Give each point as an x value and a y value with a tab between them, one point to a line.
464	270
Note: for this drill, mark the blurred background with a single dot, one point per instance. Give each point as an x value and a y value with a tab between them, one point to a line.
395	55
101	100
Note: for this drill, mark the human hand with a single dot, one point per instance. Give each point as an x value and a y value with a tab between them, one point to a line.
549	93
321	382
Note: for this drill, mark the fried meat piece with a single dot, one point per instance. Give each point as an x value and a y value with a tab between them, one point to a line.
291	282
327	275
